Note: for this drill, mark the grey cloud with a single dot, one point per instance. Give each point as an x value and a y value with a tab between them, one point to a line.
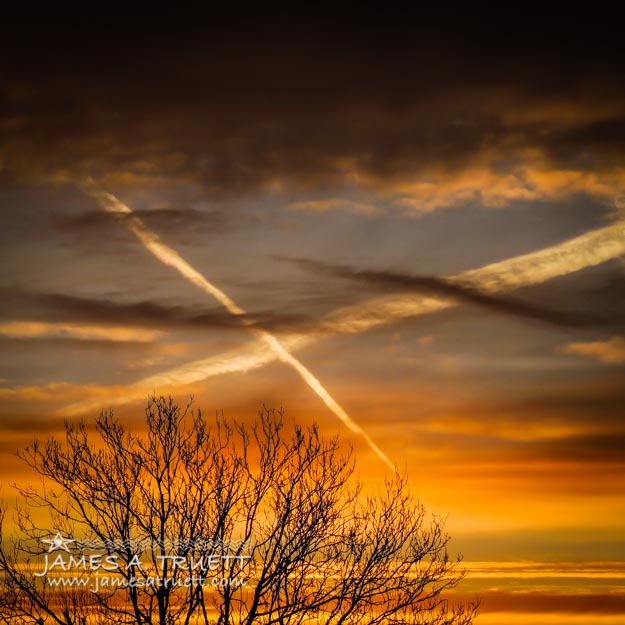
239	109
389	281
172	220
20	305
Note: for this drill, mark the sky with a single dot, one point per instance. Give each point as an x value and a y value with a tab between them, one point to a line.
428	216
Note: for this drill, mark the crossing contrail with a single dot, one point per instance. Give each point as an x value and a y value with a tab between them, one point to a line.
170	257
586	250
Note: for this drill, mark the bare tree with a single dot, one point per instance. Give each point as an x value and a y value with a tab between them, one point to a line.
183	523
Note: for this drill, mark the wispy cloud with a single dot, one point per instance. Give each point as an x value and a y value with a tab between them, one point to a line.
610	351
247	358
39	329
460	291
336	204
532	178
62	308
167	218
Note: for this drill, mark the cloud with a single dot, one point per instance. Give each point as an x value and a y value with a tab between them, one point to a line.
531	178
60	310
611	351
166	219
413	116
538	604
335	204
26	424
251	356
461	291
57	390
608	448
76	331
587	250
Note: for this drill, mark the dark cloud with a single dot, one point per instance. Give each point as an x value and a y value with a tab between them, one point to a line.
395	282
596	292
27	424
601	405
179	225
166	218
58	307
608	448
236	106
543	602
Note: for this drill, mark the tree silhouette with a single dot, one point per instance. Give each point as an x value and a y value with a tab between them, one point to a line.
223	524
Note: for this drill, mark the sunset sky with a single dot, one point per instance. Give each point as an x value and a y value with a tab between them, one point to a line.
430	218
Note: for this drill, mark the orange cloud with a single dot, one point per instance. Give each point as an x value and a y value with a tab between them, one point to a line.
611	351
335	204
79	331
561	112
532	179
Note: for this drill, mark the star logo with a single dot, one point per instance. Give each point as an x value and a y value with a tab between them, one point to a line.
58	542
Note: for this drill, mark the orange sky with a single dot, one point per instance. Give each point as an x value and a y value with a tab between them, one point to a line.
429	222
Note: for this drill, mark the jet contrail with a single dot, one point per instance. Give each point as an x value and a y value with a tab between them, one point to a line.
587	250
170	257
